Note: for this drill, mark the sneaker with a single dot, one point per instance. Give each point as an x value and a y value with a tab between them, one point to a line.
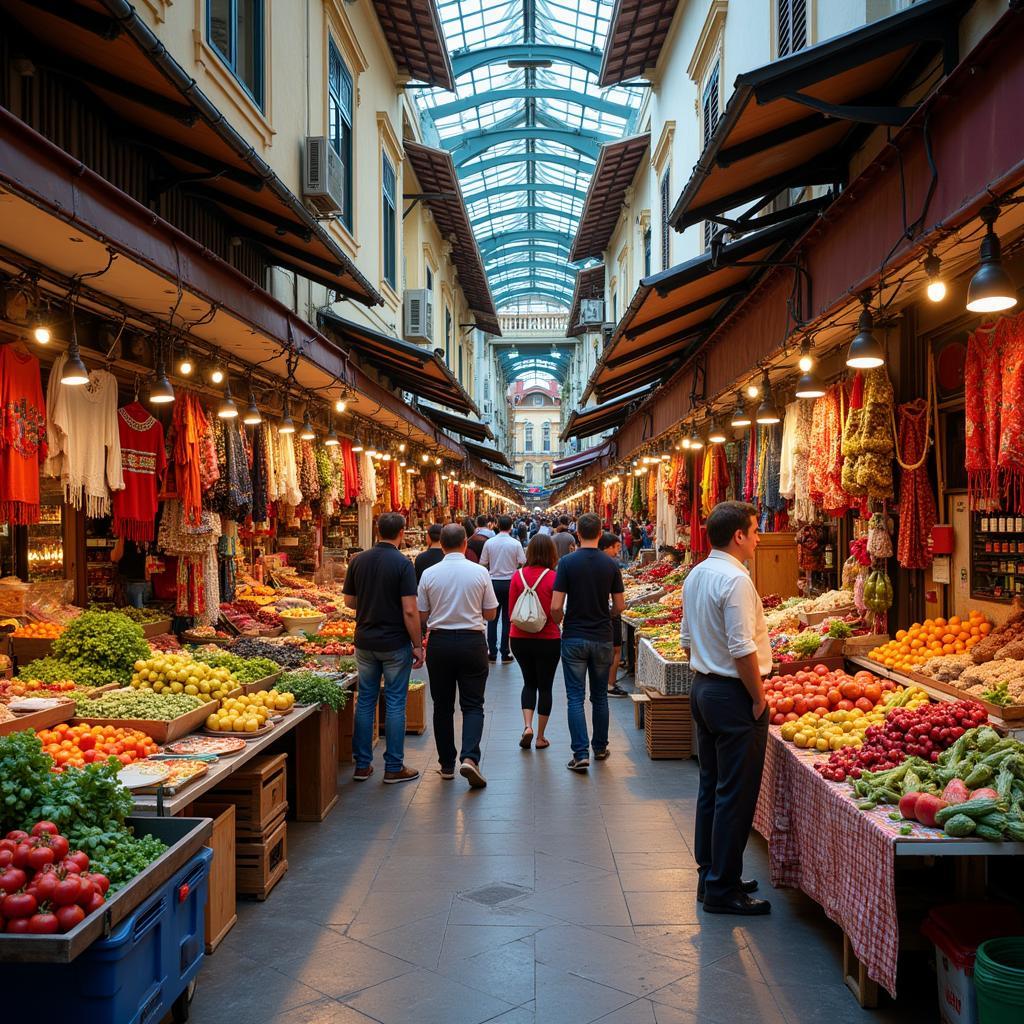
601	755
362	774
617	691
446	773
471	773
403	775
506	658
578	764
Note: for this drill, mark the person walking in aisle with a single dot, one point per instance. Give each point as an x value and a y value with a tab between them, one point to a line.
627	543
469	525
724	634
587	579
480	536
564	544
433	554
455	598
612	547
537	653
380	587
501	556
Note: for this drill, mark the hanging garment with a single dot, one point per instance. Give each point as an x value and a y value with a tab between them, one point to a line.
787	453
259	475
187	428
917	503
1011	415
272	460
367	479
982	396
23	436
84	440
143	462
289	490
826	453
803	507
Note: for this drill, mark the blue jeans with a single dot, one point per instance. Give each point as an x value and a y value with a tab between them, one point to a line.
395	667
136	593
580	658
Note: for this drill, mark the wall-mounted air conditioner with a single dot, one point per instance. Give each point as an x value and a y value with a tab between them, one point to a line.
323	176
419	315
591	311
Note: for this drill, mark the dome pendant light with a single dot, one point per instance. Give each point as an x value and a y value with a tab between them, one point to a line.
74	372
696	441
767	413
161	393
308	433
357	444
991	289
808	386
252	415
716	435
287	423
228	410
866	350
740	416
331	438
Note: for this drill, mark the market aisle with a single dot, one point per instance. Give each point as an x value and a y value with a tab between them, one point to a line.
547	897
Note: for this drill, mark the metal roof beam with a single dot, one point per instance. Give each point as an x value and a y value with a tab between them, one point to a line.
465	103
578	164
482	218
491	243
525	186
518	288
543	249
464	61
467	145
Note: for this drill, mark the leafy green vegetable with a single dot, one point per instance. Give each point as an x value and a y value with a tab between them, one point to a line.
101	645
313	688
805	643
839	630
139	704
246	670
23	765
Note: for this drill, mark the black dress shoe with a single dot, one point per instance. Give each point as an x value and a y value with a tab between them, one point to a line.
746	885
741	904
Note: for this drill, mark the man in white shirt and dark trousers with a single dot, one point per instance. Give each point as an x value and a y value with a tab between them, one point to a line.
455	598
502	555
724	633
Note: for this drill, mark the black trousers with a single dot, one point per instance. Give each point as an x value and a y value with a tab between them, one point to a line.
457	661
538	661
501	588
730	750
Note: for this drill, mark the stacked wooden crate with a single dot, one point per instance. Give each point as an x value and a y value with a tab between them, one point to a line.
668	726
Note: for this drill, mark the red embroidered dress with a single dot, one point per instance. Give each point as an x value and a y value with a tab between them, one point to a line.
143	462
23	446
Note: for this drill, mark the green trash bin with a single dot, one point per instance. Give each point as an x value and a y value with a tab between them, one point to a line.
999	981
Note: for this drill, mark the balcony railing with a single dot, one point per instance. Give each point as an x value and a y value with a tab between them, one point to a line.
533	323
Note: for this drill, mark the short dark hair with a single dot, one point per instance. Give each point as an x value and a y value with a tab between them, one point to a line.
564	520
588	526
608	540
434	532
453	537
481	520
504	523
726	518
390	525
468	525
542	552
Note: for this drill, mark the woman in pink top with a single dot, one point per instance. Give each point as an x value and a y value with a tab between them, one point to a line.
537	653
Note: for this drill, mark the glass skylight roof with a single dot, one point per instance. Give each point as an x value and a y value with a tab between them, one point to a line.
525	194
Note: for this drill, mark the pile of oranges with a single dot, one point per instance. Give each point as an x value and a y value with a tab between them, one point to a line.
39	630
931	639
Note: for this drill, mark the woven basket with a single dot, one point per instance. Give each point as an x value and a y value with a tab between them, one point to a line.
671	678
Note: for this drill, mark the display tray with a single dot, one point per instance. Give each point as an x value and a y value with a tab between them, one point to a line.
1013	713
266	683
201	745
158	730
39	719
816	618
156	628
185	837
240	735
190	638
27	648
172	785
785	668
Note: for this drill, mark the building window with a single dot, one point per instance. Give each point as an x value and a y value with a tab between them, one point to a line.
791	17
460	364
664	222
447	336
389	221
235	31
339	116
615	308
528	472
647	253
546	431
529	437
430	280
547	471
710	110
538	399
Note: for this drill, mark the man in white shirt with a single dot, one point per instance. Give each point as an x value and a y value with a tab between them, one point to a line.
455	599
501	556
726	639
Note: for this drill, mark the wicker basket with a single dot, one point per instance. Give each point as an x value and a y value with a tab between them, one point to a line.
671	678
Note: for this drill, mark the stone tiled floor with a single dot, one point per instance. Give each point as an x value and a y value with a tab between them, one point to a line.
547	898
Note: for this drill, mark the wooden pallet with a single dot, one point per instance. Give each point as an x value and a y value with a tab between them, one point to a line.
260	796
668	727
260	866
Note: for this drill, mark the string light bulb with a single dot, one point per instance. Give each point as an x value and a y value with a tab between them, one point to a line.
339	406
40	331
752	391
936	289
806	361
186	366
217	375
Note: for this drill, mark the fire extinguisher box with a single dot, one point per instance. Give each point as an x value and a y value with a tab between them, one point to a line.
942	539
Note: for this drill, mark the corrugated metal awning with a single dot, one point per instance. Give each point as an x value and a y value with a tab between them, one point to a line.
598	418
636	34
458	424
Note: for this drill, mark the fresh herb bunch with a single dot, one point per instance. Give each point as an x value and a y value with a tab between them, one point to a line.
139	704
313	688
135	614
107	642
49	670
839	630
246	670
23	767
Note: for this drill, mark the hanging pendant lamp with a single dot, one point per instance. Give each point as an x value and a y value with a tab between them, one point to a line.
866	350
991	289
767	411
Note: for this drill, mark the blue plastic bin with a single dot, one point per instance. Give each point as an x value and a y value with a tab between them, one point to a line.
134	975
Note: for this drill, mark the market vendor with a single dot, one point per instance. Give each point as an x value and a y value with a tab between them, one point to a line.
130	558
726	641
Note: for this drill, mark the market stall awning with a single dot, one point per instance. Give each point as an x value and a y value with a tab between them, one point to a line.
797	121
636	34
105	47
614	173
458	424
598	418
442	194
410	368
413	31
509	475
487	454
574	463
589	285
672	312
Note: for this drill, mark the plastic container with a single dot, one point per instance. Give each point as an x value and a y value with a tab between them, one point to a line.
957	930
999	981
135	974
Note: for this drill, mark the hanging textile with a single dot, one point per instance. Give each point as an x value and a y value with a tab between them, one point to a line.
227	551
787	450
982	397
367	479
309	476
23	435
290	491
84	441
803	507
196	548
1011	415
143	462
867	437
698	536
259	475
826	455
917	503
187	427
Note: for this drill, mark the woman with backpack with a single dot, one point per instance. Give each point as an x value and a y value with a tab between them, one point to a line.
536	638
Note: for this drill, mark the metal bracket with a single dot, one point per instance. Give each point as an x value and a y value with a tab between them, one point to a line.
893	116
418	197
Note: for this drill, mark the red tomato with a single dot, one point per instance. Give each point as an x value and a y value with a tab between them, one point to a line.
67	891
79	858
70	916
45	826
17	836
39	856
12	879
17	926
45	884
18	904
6	858
43	924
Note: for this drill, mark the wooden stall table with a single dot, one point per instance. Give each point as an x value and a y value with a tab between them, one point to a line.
845	858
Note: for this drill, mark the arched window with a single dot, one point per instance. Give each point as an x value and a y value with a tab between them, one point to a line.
547	472
528	472
538	399
529	437
547	436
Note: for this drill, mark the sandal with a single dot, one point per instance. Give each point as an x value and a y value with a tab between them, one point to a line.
542	744
526	740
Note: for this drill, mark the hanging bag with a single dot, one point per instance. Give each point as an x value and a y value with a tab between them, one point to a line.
528	614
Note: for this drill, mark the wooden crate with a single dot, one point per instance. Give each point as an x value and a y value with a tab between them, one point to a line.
260	866
416	710
220	904
668	727
28	648
315	770
157	729
39	719
260	795
346	724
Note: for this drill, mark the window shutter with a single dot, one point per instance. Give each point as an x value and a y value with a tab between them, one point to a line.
710	105
792	21
664	224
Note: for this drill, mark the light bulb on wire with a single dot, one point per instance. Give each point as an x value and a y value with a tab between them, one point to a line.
806	361
936	289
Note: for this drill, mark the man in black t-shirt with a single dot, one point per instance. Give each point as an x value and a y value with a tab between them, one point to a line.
584	582
381	587
433	554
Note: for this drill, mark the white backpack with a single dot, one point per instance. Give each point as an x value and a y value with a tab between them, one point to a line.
528	614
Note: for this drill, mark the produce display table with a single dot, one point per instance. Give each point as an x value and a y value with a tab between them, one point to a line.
671	678
844	858
629	641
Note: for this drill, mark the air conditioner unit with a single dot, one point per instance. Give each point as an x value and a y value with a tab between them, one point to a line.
607	330
323	176
419	315
591	311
